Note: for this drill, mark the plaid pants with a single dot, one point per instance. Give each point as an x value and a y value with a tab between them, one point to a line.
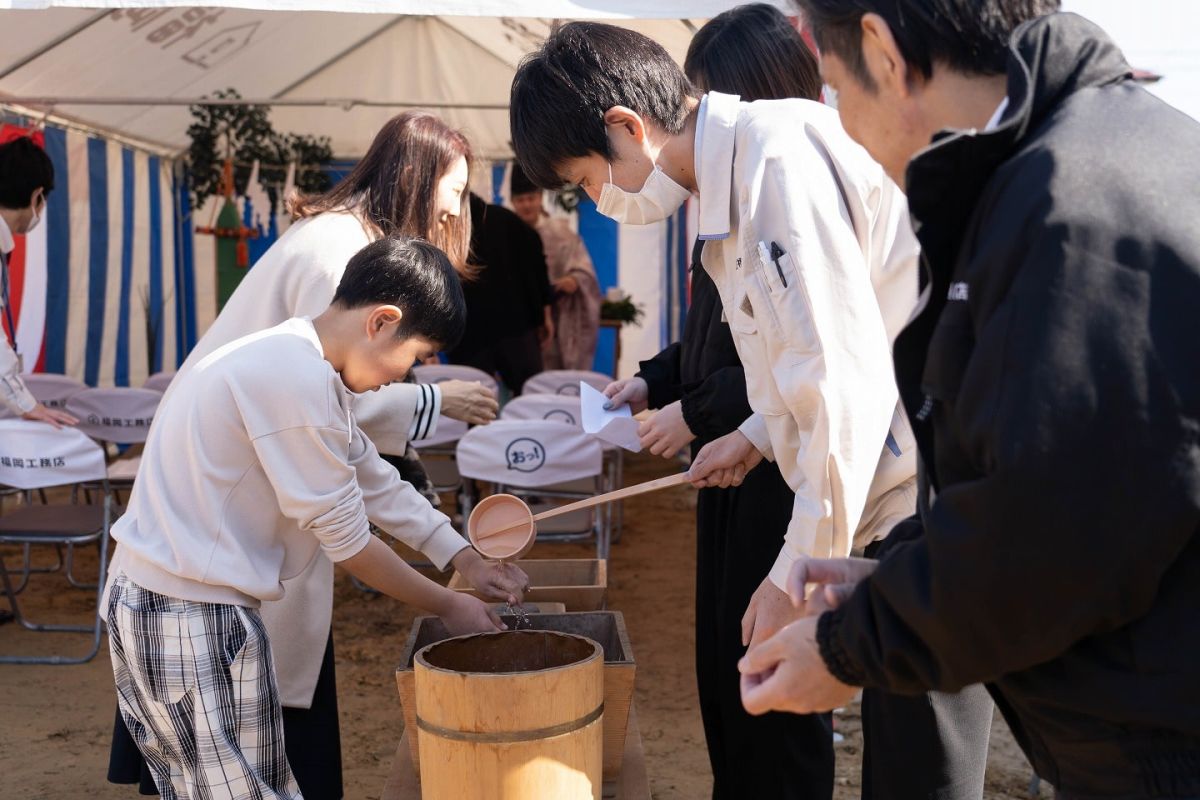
196	687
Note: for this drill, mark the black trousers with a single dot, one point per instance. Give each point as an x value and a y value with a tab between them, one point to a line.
777	756
311	738
516	358
930	746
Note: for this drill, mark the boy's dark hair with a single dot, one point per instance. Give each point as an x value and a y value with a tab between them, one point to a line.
563	89
413	275
753	51
969	36
24	168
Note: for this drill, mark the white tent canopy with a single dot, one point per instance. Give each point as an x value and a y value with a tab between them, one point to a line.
350	72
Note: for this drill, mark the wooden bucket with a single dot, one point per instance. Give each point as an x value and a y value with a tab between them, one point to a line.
516	715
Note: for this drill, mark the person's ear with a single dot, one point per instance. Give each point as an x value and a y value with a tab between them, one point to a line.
623	121
38	194
881	54
383	319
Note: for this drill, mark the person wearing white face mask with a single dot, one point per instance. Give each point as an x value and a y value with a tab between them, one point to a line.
809	245
26	179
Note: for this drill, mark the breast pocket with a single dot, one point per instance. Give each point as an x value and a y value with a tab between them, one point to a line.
775	284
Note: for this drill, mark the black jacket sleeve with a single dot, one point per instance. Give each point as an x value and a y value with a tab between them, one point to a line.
662	376
1074	419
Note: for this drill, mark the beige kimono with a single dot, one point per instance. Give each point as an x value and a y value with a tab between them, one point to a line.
576	315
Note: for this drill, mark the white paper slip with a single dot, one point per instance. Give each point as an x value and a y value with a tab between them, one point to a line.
616	426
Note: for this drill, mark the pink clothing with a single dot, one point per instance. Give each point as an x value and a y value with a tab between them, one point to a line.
576	315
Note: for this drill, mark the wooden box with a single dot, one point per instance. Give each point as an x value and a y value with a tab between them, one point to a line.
607	628
578	583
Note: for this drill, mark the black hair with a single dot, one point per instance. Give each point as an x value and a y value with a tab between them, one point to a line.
24	168
969	36
563	89
413	275
753	51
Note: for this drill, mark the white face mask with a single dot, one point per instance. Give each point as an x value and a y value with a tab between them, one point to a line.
37	218
659	198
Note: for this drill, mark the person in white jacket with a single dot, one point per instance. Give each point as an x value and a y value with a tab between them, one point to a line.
257	465
411	181
809	244
26	180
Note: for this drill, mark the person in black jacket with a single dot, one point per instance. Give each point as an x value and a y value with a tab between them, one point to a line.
508	298
699	387
1053	381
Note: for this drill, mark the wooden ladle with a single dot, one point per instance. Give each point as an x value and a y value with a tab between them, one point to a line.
503	527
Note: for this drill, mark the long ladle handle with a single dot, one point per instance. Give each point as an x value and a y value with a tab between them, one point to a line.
619	494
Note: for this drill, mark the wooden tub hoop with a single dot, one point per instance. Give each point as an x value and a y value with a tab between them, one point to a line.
510	737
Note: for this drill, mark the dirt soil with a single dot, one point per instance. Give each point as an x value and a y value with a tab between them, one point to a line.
57	721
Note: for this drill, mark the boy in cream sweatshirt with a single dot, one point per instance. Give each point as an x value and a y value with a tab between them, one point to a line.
254	466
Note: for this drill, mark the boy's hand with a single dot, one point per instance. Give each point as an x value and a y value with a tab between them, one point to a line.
464	614
468	401
633	391
724	462
504	583
666	433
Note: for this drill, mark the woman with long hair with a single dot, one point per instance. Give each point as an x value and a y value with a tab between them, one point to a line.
412	182
699	387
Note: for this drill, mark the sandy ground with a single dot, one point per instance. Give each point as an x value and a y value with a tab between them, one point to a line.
55	722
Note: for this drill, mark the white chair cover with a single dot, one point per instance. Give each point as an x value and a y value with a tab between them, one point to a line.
159	381
52	390
529	454
436	373
34	455
565	382
551	407
119	415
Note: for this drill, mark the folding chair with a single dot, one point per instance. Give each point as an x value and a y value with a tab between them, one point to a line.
438	451
566	409
118	416
36	456
565	381
541	459
159	381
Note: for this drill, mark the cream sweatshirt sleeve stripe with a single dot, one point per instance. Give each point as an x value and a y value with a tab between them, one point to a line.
429	406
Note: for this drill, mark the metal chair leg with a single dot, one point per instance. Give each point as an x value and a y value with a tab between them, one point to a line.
96	629
70	575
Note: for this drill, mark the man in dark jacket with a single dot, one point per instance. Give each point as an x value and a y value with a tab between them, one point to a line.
1053	381
508	301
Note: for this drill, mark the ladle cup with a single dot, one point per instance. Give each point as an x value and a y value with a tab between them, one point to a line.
502	527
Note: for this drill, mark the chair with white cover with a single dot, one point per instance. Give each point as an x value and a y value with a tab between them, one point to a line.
565	408
539	460
34	455
116	416
438	451
565	381
159	381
